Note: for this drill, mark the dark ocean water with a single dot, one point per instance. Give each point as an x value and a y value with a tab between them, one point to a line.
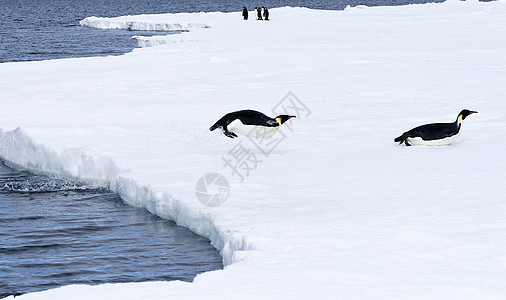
56	232
49	29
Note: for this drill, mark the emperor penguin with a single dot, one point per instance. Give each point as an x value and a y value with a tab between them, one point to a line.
245	13
435	134
259	13
266	13
250	123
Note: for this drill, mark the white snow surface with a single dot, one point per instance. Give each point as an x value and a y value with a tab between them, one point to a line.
337	210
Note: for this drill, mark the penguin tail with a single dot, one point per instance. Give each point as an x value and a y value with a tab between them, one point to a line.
213	127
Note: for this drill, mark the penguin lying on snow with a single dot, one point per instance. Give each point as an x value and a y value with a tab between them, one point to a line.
435	134
251	123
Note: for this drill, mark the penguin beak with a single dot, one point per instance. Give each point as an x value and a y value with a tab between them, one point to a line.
473	112
290	117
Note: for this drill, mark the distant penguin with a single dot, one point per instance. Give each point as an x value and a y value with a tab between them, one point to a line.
250	123
266	14
245	13
259	13
436	134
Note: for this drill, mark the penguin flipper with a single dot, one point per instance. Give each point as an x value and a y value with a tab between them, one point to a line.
272	123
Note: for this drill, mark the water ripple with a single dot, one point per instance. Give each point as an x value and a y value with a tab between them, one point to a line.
29	248
56	232
24	183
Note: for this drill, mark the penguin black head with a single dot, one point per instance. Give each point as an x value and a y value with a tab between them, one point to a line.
466	112
283	118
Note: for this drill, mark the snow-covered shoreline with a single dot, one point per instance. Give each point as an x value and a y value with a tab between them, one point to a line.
336	210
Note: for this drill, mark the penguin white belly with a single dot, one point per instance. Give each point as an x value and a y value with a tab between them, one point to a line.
255	131
418	141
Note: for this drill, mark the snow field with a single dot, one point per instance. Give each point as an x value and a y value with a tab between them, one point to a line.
337	209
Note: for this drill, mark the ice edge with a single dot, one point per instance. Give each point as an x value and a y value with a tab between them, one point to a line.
18	150
124	23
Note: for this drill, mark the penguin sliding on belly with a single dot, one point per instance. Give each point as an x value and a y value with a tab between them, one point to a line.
436	134
250	123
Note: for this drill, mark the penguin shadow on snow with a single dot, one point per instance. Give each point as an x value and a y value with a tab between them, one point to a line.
435	134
